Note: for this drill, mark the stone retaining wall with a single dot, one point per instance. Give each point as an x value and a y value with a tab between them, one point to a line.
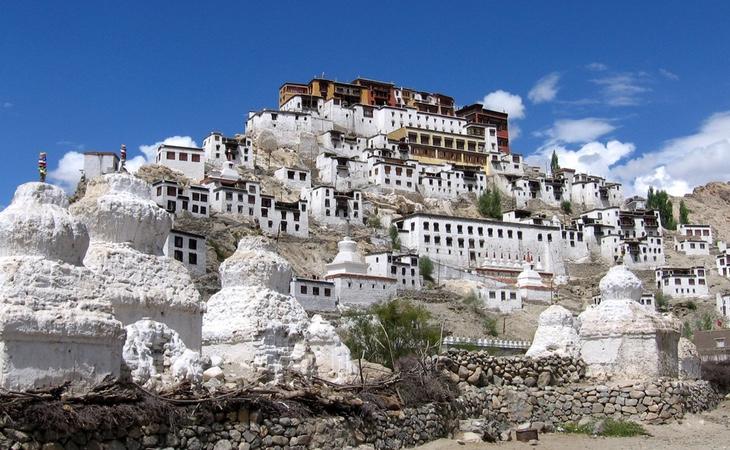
482	369
503	407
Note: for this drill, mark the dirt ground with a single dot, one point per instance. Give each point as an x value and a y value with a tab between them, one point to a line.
709	430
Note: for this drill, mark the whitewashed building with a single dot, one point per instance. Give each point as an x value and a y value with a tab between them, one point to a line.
505	299
703	232
353	285
404	267
190	161
467	242
692	246
176	198
341	172
97	164
188	248
682	282
220	149
333	207
313	294
722	302
723	263
293	177
392	174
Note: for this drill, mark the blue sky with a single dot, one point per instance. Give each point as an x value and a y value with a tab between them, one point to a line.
637	91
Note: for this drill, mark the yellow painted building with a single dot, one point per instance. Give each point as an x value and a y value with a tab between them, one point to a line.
435	147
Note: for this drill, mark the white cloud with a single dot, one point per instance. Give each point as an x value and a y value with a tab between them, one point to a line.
7	105
594	157
545	89
622	89
68	172
685	162
669	75
596	67
504	101
572	131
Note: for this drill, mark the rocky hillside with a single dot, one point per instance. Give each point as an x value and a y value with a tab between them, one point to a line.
709	204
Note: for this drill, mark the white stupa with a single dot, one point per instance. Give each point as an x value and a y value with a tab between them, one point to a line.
348	259
128	231
56	322
621	339
557	334
255	324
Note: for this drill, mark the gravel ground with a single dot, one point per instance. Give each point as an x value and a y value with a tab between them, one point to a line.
709	430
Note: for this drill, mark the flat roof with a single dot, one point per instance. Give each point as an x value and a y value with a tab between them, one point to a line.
186	233
469	219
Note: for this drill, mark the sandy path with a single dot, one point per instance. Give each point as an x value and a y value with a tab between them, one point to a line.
709	430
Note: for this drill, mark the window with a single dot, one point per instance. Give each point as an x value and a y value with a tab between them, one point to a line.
170	156
327	292
183	156
302	289
192	244
193	259
720	343
179	255
195	158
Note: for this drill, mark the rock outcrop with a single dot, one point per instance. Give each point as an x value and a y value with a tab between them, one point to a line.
557	334
255	324
128	231
621	339
56	322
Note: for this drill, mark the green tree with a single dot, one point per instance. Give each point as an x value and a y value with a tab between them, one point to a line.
425	266
683	213
394	238
490	204
567	207
687	330
659	200
388	331
554	163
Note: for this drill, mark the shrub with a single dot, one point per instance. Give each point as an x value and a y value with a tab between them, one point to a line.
490	324
394	238
662	302
622	428
691	305
425	266
706	322
388	331
683	213
374	222
687	330
566	207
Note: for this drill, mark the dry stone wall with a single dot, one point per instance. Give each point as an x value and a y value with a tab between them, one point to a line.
482	369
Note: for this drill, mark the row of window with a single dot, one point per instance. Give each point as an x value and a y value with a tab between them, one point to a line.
480	231
192	257
182	156
303	289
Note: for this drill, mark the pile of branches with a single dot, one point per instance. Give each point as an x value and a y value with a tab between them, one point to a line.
117	405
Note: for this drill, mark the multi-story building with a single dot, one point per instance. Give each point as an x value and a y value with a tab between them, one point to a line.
713	346
313	294
633	237
691	246
341	172
392	173
495	120
188	248
333	207
190	161
436	147
401	266
176	198
723	263
293	177
682	282
97	164
703	232
220	149
467	242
